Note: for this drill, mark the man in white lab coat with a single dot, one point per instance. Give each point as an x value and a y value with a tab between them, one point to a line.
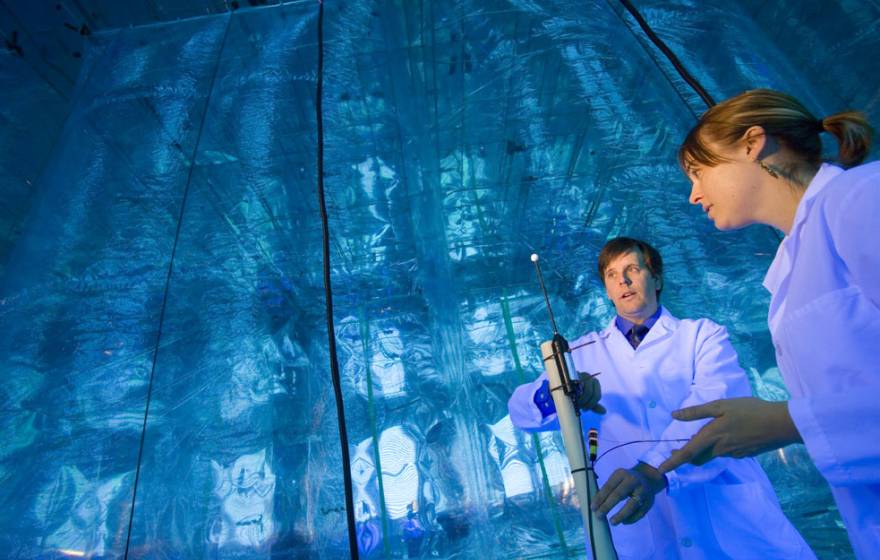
651	364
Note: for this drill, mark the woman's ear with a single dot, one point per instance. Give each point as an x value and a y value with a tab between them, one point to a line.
753	142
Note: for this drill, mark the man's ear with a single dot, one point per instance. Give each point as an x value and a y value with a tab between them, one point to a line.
659	281
753	142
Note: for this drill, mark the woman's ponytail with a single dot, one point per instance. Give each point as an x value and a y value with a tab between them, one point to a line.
853	135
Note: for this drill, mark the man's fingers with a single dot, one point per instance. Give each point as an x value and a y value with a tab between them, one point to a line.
619	494
708	410
641	512
590	392
622	485
613	482
631	507
643	501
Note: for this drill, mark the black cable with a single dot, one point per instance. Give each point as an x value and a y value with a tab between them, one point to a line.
328	293
590	515
607	451
682	71
192	165
658	42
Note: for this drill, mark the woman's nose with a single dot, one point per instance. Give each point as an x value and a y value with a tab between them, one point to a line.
696	194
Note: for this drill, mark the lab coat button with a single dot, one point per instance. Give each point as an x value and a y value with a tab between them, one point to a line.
686	542
652	404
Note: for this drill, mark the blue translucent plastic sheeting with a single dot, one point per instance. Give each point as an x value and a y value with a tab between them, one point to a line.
174	236
31	115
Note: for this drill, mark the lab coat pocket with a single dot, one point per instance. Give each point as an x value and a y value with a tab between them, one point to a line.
748	523
633	541
825	345
674	383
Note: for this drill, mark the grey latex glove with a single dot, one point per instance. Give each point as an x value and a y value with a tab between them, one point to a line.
637	486
591	392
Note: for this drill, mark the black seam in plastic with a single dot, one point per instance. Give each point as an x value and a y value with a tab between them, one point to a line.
192	165
328	293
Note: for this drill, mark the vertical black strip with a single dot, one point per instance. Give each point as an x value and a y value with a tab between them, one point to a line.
682	71
328	293
189	176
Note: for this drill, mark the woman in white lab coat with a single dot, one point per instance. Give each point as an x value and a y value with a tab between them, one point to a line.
756	159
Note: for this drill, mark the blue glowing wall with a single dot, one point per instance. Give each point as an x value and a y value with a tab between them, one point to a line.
172	234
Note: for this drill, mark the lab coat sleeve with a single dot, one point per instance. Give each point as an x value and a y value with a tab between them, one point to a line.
716	375
524	413
842	430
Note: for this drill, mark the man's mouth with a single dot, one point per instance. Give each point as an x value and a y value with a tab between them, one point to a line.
256	519
627	295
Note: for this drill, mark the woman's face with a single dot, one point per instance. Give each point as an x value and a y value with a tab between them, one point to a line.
727	192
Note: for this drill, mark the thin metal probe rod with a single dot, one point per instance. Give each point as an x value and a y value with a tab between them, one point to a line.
544	291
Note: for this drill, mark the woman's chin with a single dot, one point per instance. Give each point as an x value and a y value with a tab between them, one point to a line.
726	225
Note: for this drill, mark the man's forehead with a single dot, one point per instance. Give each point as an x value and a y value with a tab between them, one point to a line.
631	256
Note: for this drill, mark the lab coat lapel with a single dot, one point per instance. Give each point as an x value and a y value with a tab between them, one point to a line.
662	329
614	338
776	279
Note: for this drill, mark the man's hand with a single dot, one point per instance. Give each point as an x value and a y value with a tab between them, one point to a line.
590	393
741	427
639	484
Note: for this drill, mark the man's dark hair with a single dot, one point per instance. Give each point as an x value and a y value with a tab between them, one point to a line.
622	245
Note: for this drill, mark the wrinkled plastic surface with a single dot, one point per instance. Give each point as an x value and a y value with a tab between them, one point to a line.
168	269
32	112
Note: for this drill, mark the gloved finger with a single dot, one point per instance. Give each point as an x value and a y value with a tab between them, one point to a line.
629	509
590	393
613	481
644	506
599	409
618	494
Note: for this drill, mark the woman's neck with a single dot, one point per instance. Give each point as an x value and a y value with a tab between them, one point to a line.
784	193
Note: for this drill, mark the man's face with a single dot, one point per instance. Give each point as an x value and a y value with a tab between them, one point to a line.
631	287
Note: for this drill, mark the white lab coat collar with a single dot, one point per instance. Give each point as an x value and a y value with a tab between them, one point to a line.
666	323
781	265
